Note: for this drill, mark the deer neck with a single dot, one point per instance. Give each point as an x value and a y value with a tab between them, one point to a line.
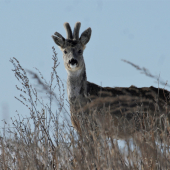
77	85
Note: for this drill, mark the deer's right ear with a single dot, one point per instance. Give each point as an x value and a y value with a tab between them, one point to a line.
58	39
85	36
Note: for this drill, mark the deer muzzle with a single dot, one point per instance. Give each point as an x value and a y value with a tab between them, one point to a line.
73	63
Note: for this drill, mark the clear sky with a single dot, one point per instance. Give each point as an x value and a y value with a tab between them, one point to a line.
138	31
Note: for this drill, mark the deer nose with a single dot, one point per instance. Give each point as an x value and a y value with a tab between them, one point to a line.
73	61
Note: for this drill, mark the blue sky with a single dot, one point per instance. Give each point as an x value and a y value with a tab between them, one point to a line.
138	31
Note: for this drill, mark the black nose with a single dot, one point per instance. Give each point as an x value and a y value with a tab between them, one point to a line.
73	61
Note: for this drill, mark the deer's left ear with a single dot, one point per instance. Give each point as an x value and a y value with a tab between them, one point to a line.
85	36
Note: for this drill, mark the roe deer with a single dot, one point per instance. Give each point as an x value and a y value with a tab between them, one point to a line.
130	102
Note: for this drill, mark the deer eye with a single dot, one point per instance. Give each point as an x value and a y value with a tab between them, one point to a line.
65	52
79	51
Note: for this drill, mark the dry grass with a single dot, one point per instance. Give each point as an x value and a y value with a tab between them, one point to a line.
46	140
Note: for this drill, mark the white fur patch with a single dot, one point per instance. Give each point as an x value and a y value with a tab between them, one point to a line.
73	65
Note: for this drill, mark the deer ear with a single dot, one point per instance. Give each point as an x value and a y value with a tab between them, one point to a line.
58	39
85	36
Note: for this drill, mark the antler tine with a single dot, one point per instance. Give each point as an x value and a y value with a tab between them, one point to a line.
76	30
68	30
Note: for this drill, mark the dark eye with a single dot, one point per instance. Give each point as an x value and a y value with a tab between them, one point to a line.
79	51
65	52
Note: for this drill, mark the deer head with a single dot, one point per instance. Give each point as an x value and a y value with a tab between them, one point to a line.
73	46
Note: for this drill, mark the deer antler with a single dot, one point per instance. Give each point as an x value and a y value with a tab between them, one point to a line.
76	31
68	30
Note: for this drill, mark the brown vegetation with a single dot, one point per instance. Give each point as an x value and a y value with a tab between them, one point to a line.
46	139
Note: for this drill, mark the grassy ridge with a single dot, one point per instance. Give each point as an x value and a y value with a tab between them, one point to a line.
46	139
